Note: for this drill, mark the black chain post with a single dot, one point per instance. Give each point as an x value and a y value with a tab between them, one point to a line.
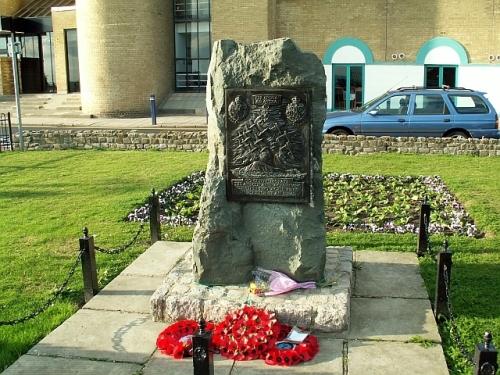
203	357
486	357
423	232
443	279
88	266
154	217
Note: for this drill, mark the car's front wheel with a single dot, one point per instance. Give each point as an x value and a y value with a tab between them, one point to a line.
339	131
457	134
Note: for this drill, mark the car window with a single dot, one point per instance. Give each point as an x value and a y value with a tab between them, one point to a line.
368	104
395	105
469	104
430	105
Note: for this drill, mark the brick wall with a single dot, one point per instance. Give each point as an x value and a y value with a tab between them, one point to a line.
244	21
61	20
387	26
126	53
9	7
197	141
6	76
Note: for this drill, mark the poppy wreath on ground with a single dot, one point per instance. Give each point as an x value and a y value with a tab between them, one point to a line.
291	354
176	339
246	334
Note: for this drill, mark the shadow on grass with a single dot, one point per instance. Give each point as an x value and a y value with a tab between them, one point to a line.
47	164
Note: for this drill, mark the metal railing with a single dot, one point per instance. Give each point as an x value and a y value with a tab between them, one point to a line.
6	142
86	256
485	359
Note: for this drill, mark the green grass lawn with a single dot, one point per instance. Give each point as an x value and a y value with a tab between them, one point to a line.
47	197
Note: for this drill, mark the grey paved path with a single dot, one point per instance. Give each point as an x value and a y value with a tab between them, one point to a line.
114	333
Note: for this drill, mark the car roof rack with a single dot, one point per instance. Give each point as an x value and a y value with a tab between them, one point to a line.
444	87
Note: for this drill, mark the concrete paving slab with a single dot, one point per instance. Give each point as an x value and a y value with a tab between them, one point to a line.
105	335
393	319
158	260
392	358
31	365
126	293
388	274
328	361
161	364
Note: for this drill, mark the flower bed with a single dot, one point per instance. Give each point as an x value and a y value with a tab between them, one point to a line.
381	204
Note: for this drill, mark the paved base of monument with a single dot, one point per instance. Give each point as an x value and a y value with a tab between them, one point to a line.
325	309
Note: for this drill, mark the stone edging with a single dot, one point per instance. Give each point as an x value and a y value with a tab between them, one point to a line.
197	141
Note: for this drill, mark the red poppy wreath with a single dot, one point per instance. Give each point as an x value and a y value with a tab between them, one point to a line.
285	353
246	334
176	339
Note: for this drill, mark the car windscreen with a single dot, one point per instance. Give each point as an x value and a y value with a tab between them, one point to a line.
368	104
468	104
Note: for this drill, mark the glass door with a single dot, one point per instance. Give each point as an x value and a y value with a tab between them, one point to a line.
347	86
73	71
437	76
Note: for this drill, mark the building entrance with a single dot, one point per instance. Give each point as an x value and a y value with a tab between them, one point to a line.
37	63
347	86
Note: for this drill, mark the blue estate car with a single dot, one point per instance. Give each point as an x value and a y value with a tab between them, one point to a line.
414	111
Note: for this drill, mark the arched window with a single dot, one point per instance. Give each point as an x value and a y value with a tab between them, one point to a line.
347	58
441	56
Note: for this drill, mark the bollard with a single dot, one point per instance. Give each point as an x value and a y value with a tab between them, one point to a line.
154	217
152	106
486	357
423	234
203	357
11	141
441	298
88	266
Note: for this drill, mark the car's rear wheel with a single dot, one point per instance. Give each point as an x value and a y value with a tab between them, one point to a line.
457	134
339	131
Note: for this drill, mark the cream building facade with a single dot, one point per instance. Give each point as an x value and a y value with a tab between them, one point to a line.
117	53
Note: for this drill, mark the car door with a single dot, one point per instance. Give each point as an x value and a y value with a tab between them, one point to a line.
429	115
390	117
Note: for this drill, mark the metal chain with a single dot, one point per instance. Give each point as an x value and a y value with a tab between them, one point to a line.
455	333
50	301
121	249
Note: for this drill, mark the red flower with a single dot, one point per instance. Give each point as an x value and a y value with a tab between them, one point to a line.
302	352
246	334
175	340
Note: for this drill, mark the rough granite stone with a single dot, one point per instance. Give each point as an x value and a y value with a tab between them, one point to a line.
324	309
233	238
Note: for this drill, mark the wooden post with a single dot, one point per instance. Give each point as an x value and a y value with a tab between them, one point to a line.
443	278
423	234
89	270
154	217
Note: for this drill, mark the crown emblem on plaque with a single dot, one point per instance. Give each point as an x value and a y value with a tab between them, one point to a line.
295	111
238	109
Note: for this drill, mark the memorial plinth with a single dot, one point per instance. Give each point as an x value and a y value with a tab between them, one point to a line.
325	309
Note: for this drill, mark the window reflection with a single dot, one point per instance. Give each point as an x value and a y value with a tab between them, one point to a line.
192	43
72	61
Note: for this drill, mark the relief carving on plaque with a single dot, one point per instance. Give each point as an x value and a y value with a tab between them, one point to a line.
268	145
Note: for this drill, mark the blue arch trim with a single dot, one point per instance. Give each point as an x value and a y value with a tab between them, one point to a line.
348	41
442	41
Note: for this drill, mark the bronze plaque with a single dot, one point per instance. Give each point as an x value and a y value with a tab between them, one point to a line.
268	145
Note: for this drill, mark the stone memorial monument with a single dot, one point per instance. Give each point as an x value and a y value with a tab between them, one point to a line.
262	201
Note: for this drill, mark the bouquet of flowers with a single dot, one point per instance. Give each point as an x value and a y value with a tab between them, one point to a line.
272	283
